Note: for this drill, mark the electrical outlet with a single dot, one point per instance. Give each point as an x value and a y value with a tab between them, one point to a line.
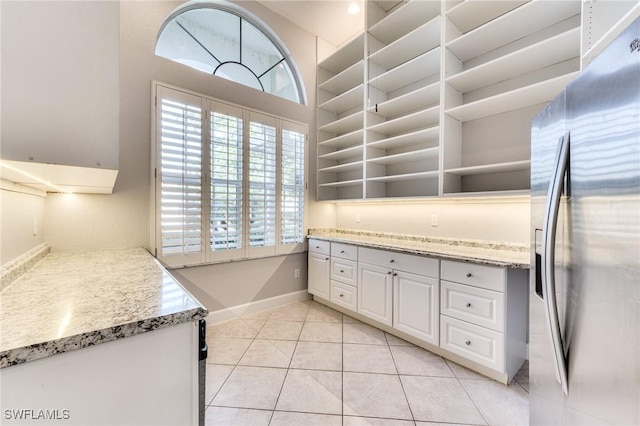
434	220
357	218
296	273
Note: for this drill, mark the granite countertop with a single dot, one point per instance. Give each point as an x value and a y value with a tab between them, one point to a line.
72	300
493	253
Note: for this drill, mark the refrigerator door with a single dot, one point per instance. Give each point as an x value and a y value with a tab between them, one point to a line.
598	239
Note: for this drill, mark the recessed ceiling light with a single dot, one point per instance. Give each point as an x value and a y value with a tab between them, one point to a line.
353	8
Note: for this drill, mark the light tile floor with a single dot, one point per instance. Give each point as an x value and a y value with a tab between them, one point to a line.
306	364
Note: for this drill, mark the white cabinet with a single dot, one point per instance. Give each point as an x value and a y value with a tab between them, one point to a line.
60	94
483	314
400	290
375	292
415	306
319	269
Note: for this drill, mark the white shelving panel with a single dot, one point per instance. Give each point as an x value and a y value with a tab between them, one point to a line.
427	136
346	140
417	68
342	184
470	14
341	168
413	44
420	98
411	121
404	19
513	166
512	100
347	79
343	154
345	101
417	155
518	23
344	125
405	177
547	52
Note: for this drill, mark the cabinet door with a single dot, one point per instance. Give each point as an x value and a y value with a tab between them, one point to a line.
318	280
375	286
416	306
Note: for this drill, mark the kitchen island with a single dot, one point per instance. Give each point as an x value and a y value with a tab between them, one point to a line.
100	337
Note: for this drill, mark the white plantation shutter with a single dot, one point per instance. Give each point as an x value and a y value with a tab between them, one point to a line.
262	185
226	152
292	183
229	183
180	177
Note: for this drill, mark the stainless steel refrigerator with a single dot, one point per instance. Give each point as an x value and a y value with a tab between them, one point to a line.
584	345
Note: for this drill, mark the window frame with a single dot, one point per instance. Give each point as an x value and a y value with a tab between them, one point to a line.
206	254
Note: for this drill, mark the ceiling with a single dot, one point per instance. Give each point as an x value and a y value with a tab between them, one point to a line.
327	19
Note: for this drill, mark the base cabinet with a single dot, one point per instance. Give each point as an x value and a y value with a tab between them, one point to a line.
474	314
375	292
319	269
415	307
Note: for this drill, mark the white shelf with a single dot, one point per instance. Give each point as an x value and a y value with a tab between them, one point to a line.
423	66
406	176
344	125
512	166
417	155
354	182
347	79
405	19
343	154
526	19
472	13
345	101
417	42
416	120
346	140
512	100
612	34
407	139
341	168
420	98
545	53
344	58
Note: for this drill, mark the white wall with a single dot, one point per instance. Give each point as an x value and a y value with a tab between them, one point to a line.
18	210
495	219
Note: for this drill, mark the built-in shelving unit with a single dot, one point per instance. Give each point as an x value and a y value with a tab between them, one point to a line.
341	122
503	61
404	59
436	97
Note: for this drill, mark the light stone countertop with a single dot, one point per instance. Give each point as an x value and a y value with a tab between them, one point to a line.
72	300
492	253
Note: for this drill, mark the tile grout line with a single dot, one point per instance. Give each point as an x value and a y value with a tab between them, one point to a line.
404	392
486	422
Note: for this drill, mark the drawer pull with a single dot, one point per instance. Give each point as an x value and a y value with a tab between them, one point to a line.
468	342
342	271
395	274
468	304
317	247
341	295
469	274
326	258
341	251
389	273
392	261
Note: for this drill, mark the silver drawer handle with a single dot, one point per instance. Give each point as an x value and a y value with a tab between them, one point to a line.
468	342
469	274
468	304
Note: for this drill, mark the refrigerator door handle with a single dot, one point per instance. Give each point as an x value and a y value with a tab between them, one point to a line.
548	258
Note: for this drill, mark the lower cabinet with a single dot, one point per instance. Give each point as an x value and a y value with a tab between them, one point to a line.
319	269
375	292
461	310
415	306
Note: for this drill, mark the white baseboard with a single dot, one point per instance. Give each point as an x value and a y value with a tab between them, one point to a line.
257	306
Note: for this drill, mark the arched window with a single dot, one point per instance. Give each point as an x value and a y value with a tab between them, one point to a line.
222	39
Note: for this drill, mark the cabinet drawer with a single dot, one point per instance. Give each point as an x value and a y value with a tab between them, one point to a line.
489	277
344	270
402	262
319	246
476	305
344	295
475	343
344	251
